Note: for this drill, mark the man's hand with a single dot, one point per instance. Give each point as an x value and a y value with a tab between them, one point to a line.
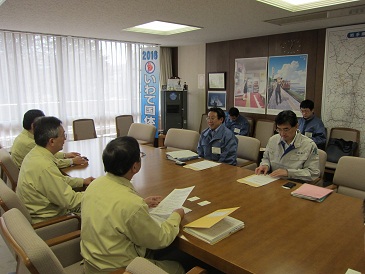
261	170
279	173
72	154
78	160
153	201
181	212
88	180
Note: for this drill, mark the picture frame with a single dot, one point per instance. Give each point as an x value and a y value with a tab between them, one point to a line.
217	99
217	81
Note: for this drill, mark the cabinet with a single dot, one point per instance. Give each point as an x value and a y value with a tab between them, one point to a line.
174	106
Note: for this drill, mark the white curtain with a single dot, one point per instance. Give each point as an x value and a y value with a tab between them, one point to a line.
166	65
67	77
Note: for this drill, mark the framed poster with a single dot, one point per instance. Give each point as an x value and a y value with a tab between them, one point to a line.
217	81
250	84
217	99
287	78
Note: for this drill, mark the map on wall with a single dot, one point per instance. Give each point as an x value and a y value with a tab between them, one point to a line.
287	77
250	84
343	97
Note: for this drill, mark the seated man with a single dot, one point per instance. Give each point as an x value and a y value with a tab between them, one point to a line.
116	224
310	125
24	142
237	123
218	143
44	190
290	154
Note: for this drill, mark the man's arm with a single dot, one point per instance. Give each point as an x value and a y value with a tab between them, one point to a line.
310	170
229	150
58	191
245	127
319	136
149	233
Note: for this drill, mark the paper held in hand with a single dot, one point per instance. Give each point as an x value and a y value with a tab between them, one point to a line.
171	202
215	226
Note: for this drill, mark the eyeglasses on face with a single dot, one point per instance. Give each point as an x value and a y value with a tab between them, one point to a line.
211	118
279	130
142	154
64	135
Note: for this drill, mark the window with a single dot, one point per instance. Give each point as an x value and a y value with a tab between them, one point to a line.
67	77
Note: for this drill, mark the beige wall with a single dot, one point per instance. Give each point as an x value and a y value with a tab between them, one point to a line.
191	64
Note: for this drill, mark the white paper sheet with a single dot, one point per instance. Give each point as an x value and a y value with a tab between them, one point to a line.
257	180
172	201
202	165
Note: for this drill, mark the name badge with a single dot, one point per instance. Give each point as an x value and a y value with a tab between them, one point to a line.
236	130
309	134
216	150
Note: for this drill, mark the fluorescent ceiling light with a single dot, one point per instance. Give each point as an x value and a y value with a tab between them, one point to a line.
162	28
2	2
299	5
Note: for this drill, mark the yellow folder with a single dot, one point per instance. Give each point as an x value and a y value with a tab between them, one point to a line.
211	219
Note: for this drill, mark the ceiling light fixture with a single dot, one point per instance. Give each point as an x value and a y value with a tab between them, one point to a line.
161	28
2	2
299	5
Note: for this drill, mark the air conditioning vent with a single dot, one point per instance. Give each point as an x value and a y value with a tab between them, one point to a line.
318	16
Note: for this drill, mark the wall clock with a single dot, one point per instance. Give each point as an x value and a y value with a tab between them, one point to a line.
291	46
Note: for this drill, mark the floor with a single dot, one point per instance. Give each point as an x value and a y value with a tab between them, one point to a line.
7	260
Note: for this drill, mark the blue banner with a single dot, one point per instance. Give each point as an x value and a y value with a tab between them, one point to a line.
150	82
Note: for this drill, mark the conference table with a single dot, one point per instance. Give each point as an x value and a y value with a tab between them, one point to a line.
282	233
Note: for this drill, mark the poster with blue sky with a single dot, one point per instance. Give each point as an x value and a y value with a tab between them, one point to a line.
287	77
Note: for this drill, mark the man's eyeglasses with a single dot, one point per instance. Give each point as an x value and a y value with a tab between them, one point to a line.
64	135
211	118
142	154
279	130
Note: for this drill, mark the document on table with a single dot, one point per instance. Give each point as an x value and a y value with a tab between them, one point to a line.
172	201
202	165
257	180
182	155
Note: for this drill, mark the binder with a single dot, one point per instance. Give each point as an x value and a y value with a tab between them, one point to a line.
218	231
182	155
215	226
312	192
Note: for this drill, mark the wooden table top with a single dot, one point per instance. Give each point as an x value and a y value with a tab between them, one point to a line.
282	233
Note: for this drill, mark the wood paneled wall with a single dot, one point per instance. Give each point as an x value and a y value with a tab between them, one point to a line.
220	57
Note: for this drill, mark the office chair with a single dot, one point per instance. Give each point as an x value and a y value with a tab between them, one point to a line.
58	255
83	129
322	166
123	123
349	177
177	138
141	265
203	122
8	168
47	229
264	129
348	134
248	151
144	133
251	122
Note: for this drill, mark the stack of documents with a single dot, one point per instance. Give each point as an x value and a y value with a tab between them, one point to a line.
215	226
312	192
257	180
181	155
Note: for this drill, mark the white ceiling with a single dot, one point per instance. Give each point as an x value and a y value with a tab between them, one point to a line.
221	20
